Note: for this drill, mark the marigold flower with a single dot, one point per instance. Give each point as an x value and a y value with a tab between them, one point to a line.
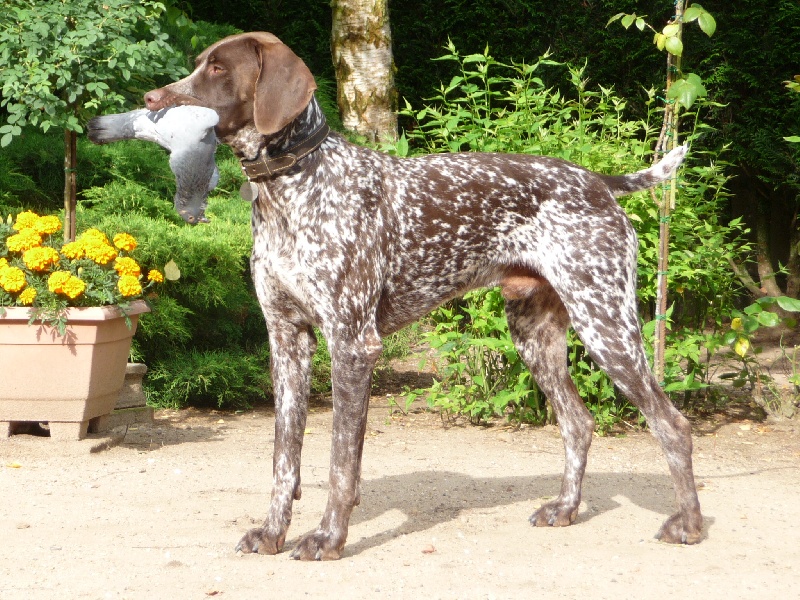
156	276
129	285
73	250
40	258
93	235
56	281
3	263
125	241
47	225
99	252
24	240
125	265
25	220
27	296
73	287
12	279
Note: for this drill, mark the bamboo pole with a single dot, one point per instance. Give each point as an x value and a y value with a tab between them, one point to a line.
667	205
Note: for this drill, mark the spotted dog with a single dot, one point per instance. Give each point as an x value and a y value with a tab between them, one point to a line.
359	244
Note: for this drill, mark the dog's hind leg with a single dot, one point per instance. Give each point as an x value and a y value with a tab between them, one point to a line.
292	346
603	314
538	326
353	357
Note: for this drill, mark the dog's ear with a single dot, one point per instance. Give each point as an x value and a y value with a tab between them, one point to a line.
284	86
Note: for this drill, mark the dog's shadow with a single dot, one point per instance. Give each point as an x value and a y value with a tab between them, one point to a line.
430	498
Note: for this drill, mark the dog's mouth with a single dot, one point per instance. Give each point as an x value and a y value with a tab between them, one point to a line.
160	99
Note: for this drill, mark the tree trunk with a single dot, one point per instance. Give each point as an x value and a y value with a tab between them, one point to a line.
766	272
793	265
361	47
70	165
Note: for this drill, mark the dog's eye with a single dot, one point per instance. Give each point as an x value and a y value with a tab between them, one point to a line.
215	69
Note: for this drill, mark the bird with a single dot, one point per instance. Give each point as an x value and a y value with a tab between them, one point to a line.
187	133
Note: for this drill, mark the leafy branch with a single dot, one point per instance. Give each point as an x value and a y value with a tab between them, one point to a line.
686	89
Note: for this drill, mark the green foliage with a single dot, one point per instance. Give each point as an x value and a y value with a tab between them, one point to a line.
492	106
687	87
61	60
482	376
226	378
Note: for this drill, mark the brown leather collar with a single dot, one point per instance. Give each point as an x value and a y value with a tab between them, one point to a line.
266	166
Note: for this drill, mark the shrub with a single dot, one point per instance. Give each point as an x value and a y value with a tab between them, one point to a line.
489	106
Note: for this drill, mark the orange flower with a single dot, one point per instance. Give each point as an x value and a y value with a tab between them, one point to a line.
27	296
99	252
73	250
129	285
40	258
56	281
12	279
47	225
125	241
125	265
156	276
24	240
25	220
73	287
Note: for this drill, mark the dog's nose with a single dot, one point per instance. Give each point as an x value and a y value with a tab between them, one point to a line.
153	98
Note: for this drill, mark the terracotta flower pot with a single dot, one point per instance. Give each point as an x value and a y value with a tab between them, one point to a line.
70	382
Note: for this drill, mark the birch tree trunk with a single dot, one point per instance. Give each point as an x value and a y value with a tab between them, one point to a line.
361	46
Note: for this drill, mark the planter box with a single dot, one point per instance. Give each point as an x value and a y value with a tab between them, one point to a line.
65	381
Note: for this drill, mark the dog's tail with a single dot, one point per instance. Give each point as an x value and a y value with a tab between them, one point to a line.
620	185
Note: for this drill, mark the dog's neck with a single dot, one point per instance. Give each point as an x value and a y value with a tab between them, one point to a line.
302	136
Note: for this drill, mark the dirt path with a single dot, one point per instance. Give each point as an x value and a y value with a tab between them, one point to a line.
444	514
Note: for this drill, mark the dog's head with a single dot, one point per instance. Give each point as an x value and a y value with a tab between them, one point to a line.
250	79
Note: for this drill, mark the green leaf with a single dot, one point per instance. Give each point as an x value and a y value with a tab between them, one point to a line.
671	30
616	17
674	46
768	319
628	20
707	24
692	13
787	303
795	139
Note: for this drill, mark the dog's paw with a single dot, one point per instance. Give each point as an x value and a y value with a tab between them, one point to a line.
554	514
317	546
681	529
259	541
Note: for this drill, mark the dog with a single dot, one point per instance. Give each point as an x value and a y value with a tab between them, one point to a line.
360	243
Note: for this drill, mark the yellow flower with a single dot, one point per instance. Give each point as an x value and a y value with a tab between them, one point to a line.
125	241
47	225
24	240
129	285
73	287
27	296
40	259
25	220
155	275
56	281
94	235
12	279
3	263
73	250
99	252
125	265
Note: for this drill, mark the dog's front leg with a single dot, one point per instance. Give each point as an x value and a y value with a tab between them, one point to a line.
291	347
352	363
